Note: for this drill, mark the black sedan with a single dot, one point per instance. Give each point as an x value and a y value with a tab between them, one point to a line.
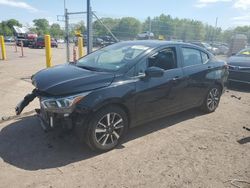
124	85
239	67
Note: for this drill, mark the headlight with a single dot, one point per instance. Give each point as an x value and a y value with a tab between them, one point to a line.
62	104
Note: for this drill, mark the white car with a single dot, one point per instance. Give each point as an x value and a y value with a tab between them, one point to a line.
145	35
60	41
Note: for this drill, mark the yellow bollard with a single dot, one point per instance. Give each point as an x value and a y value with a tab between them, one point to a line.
48	50
80	47
3	48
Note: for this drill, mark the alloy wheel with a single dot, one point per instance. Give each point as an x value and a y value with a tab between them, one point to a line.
213	99
109	129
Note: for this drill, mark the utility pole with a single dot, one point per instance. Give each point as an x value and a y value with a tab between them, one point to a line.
67	33
150	28
215	31
89	28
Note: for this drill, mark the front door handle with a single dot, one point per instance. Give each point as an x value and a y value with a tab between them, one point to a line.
176	78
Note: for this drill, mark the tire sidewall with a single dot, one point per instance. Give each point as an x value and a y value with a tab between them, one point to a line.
206	108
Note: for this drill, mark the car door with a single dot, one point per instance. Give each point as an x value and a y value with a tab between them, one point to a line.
156	97
196	66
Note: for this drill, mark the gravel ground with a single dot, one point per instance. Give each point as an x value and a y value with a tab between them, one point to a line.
189	149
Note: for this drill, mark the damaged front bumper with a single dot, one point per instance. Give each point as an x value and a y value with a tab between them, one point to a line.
49	120
54	111
25	102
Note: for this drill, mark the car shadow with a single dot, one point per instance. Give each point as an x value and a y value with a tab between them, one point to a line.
23	144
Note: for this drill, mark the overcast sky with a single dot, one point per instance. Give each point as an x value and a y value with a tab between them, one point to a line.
230	13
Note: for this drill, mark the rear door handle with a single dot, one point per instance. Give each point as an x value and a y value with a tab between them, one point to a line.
210	67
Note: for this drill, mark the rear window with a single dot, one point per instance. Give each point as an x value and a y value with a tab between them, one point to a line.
191	57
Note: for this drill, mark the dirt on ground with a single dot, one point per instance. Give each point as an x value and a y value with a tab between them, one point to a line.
189	149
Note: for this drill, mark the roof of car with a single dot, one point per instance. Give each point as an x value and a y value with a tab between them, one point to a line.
155	43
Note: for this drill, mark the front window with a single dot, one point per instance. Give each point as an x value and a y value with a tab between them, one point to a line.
112	58
164	59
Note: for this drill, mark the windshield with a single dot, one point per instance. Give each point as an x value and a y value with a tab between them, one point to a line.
245	52
112	58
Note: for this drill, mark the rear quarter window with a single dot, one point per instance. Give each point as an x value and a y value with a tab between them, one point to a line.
205	57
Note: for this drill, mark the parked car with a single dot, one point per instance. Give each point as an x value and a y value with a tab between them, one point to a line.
207	46
9	39
222	49
39	43
60	41
27	39
124	85
107	40
145	35
239	67
98	42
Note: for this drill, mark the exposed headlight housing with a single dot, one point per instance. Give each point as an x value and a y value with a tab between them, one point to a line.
63	104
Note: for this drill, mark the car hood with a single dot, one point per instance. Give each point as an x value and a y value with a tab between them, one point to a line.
242	61
69	79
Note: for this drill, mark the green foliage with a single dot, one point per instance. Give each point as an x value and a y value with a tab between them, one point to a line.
109	22
174	28
127	28
6	27
76	27
56	31
41	26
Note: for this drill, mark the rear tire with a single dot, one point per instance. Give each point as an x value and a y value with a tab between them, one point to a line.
212	99
106	128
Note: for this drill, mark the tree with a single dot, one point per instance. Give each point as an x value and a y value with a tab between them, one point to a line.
6	27
42	26
100	30
80	26
56	31
127	28
13	22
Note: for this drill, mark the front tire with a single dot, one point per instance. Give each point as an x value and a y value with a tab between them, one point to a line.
212	99
106	128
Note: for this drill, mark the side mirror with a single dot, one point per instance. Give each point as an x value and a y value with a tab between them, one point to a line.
154	72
